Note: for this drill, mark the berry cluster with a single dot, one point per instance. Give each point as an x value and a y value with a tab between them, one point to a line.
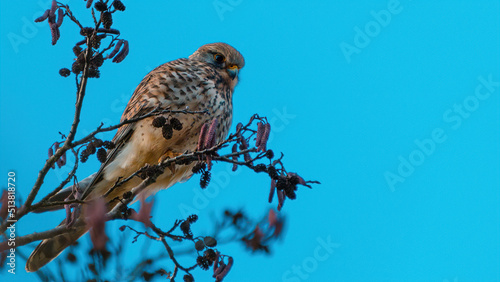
167	129
89	58
98	147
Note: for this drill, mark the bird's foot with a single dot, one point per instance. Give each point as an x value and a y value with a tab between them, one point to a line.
169	155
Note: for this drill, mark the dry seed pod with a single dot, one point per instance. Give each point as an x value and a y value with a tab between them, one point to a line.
116	49
122	54
60	16
201	138
43	17
210	138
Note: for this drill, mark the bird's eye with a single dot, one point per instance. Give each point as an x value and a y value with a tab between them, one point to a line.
219	58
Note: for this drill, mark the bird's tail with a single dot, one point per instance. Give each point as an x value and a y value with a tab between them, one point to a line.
49	249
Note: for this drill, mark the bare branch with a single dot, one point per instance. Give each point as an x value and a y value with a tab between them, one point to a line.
36	236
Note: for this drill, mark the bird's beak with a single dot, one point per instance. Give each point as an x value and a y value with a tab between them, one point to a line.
233	71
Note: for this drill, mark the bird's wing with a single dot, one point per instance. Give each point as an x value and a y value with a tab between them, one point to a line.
136	107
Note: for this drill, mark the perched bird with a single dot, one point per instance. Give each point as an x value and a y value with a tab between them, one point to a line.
203	82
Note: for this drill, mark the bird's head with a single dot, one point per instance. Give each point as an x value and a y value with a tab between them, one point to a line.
221	56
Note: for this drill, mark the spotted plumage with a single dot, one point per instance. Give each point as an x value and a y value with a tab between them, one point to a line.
203	82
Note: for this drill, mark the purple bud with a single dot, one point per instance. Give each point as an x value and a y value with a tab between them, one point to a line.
54	31
244	144
116	49
235	157
260	131
265	137
51	152
210	138
218	270
301	180
69	218
281	199
216	261
43	17
226	270
122	54
53	9
273	188
201	138
89	3
209	162
60	16
247	158
239	126
63	159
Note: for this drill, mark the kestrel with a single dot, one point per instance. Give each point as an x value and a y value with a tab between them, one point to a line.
204	81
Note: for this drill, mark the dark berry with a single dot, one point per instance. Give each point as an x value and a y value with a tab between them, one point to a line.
167	131
76	68
81	58
98	143
77	50
269	154
281	184
159	121
118	5
97	60
199	245
209	255
205	179
186	229
93	72
95	41
294	180
84	156
91	149
101	155
290	193
202	263
107	20
199	167
260	168
87	31
271	170
210	241
108	145
192	218
100	6
176	124
188	278
64	72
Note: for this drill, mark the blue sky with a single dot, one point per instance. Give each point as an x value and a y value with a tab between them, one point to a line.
392	105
